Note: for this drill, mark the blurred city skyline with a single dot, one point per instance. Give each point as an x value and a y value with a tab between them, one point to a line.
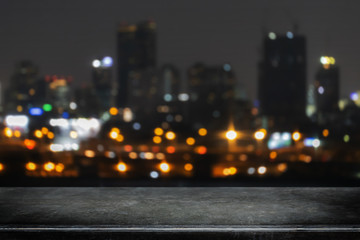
64	37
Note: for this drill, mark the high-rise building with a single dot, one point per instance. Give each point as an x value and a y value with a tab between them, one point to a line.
212	90
102	82
25	88
136	57
282	80
327	89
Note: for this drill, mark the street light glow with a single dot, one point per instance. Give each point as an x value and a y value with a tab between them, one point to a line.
231	134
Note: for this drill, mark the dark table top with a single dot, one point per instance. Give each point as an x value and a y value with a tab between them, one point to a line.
180	208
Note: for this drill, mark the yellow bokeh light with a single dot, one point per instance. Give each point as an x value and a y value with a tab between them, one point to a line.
113	111
202	132
273	155
282	167
121	167
8	132
190	141
188	167
30	166
73	134
157	139
260	134
232	170
32	92
17	133
164	167
325	132
158	131
113	135
1	167
115	130
120	138
89	153
296	136
170	135
59	167
38	134
226	171
19	108
44	130
49	166
50	135
231	135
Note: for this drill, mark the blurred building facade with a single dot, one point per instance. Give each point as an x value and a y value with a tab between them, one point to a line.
102	72
282	79
136	58
327	90
25	89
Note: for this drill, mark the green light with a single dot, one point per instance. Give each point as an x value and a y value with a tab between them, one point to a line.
47	107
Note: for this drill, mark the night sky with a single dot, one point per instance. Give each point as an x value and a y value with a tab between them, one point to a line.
63	37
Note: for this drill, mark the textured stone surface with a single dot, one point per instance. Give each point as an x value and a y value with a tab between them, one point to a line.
171	207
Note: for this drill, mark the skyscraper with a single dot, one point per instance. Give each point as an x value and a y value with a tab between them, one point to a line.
136	48
327	89
102	81
282	80
211	90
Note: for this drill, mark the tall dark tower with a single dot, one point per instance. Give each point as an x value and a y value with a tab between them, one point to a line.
102	81
136	48
282	80
327	89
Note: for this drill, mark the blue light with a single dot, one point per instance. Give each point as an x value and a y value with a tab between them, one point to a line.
227	67
36	111
136	126
290	35
354	96
65	115
107	62
308	142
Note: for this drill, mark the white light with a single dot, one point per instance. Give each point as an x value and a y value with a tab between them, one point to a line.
67	146
142	155
316	143
154	174
16	121
272	35
276	136
227	67
183	97
73	106
321	90
96	63
251	171
290	35
231	135
127	115
86	127
110	154
75	146
59	122
56	147
107	62
167	97
262	170
286	136
324	60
